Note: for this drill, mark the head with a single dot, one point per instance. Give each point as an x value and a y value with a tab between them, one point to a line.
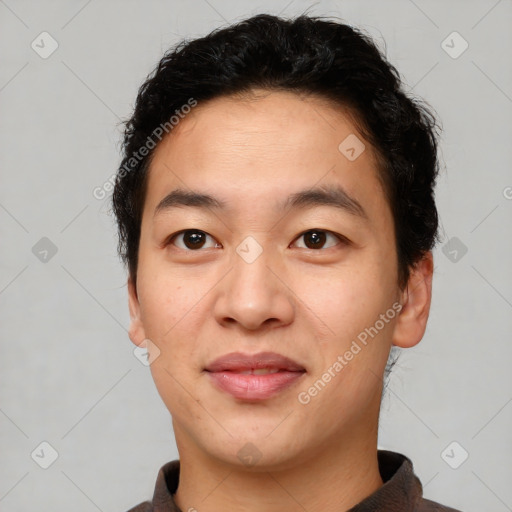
276	195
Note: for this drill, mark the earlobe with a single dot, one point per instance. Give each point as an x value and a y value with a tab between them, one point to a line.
412	321
136	330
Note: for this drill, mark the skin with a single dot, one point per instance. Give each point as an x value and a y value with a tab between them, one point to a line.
308	304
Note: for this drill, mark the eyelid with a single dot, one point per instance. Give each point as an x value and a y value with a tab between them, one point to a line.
170	239
343	239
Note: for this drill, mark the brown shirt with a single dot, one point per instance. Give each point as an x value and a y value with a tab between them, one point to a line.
401	492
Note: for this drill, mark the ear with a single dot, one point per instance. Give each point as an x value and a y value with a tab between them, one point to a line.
412	320
136	331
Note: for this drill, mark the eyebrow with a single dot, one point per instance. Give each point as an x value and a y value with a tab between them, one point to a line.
326	196
179	198
334	196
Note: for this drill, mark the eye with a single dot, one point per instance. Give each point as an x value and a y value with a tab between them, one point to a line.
193	239
317	238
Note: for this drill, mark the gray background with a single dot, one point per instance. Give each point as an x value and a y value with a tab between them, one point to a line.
68	373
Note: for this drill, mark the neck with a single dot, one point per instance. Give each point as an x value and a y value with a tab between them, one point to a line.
334	479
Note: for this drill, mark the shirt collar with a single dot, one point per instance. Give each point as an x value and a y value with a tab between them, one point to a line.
401	490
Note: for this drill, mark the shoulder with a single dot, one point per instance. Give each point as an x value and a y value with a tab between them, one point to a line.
166	485
142	507
431	506
402	489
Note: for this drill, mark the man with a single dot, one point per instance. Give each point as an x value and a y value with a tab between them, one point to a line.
276	214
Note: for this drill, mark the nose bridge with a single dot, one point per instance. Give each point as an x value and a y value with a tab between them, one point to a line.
252	294
251	271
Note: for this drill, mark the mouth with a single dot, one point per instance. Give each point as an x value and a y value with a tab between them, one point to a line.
259	371
254	377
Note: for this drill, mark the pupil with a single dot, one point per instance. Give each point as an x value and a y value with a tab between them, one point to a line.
315	239
194	239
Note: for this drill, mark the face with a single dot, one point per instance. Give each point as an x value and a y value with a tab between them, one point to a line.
267	280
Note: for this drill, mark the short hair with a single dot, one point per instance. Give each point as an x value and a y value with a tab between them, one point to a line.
306	55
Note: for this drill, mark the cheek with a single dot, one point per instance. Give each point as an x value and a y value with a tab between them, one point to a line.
166	297
345	302
170	310
170	314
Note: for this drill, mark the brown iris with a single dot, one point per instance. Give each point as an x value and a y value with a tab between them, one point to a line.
314	239
194	239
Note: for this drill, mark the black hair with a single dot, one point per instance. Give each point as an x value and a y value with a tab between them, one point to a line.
305	55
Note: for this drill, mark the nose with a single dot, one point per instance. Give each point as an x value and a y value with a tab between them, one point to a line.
254	296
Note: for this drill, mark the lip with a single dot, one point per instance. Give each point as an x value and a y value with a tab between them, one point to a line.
238	361
225	373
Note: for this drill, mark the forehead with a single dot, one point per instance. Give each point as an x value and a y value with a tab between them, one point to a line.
262	147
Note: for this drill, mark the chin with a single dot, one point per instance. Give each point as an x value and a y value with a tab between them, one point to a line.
256	452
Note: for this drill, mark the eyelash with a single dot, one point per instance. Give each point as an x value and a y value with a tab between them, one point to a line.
341	239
